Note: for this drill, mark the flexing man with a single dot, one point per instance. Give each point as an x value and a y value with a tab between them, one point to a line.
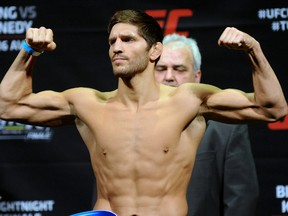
142	137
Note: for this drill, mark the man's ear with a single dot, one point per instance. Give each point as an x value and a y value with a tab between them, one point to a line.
198	76
156	51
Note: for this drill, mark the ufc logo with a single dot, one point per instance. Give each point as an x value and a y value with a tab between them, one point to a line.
280	125
168	20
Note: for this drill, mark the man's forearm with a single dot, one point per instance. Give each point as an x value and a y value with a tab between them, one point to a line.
17	82
268	92
268	98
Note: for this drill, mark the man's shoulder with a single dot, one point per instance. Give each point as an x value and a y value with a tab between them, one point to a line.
83	93
187	89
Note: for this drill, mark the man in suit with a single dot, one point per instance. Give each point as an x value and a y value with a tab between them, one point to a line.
224	180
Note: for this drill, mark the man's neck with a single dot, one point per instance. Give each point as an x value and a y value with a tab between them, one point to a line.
138	90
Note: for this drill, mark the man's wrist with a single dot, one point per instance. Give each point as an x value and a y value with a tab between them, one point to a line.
30	50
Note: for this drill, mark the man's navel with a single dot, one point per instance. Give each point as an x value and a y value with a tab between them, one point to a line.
166	149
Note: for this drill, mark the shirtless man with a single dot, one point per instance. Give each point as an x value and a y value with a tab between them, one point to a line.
142	137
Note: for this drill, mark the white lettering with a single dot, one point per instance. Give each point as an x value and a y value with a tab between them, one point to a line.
15	27
281	191
284	25
15	45
284	206
8	12
273	13
39	135
25	206
28	12
4	45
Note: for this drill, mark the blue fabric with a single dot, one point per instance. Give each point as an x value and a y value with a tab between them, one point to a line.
95	212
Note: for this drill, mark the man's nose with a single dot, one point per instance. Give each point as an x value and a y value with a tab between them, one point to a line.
169	75
117	47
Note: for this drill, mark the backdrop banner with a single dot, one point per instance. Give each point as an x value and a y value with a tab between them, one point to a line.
46	171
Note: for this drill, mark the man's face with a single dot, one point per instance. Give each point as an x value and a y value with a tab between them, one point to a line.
175	66
128	50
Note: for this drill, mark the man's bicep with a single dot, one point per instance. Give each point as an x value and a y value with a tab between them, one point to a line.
229	99
47	100
40	108
233	106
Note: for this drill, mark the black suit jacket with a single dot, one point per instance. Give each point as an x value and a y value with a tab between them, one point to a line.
224	179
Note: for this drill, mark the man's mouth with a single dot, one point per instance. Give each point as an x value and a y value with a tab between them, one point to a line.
119	59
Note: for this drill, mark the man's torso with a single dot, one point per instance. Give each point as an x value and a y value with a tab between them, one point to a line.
143	157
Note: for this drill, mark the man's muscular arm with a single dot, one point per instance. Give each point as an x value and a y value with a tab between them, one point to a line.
267	103
17	100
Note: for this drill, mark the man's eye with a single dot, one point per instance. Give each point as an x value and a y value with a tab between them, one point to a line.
160	69
128	39
111	42
181	69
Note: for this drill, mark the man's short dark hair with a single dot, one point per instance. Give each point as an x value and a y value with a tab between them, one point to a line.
148	27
